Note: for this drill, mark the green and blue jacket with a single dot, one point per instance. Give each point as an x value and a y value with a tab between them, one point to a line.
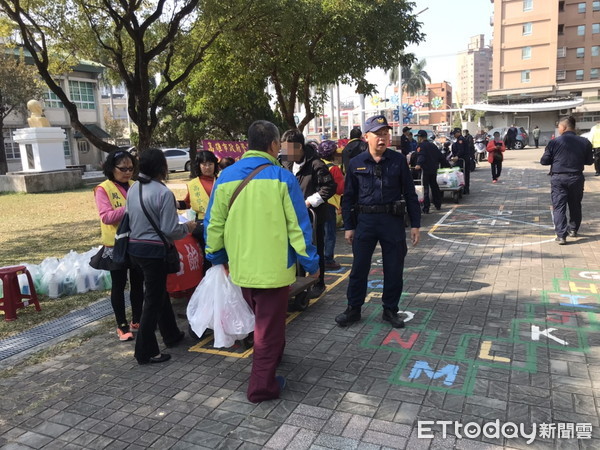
267	228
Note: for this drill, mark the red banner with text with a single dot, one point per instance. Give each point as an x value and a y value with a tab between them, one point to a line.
233	149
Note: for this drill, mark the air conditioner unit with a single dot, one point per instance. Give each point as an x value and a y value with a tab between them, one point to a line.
564	112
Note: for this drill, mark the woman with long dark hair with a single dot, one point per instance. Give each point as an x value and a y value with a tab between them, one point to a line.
147	250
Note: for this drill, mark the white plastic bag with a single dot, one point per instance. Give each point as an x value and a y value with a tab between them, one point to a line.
218	304
420	193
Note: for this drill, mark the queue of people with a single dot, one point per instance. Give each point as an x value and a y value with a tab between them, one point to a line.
276	208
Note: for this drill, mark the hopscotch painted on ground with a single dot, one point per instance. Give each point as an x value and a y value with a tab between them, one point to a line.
494	227
566	319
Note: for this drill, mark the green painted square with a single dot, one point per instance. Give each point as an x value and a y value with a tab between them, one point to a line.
581	274
419	322
583	318
581	335
462	385
467	351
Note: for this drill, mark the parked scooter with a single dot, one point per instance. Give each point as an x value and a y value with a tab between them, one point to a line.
480	150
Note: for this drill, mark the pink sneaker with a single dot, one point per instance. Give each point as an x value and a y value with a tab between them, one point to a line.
494	181
134	326
124	336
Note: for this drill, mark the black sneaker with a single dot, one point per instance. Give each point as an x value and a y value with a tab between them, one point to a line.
175	341
392	317
316	291
561	240
573	233
349	316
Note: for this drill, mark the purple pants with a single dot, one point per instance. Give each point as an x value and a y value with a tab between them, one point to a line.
270	308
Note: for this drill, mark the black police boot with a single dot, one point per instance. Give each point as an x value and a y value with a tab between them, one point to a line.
349	316
391	316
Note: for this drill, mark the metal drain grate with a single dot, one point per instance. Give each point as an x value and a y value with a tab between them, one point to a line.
55	328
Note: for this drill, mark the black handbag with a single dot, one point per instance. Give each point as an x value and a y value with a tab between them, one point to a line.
119	254
172	260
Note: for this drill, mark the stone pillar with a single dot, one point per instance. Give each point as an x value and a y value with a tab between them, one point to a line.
41	148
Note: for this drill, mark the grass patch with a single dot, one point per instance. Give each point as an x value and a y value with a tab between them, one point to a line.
36	226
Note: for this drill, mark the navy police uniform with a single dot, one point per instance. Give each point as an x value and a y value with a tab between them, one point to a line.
461	149
566	155
429	158
370	191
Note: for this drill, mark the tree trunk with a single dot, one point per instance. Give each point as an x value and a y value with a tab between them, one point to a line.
3	161
193	153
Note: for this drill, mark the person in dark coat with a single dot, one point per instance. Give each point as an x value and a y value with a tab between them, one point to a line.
317	186
566	155
377	185
429	160
462	154
406	141
355	146
511	137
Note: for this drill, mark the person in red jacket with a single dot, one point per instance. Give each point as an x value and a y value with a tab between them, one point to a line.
495	149
326	151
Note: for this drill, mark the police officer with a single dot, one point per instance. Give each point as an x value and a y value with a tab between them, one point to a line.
429	159
406	141
566	155
461	150
376	183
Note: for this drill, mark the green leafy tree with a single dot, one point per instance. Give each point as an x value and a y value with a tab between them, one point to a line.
416	78
19	83
310	43
137	41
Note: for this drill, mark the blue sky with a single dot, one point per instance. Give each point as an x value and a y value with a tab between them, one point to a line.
448	26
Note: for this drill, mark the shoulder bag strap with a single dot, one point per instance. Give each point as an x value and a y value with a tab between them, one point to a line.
160	233
245	182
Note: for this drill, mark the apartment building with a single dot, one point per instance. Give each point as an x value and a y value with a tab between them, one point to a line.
546	53
474	72
437	96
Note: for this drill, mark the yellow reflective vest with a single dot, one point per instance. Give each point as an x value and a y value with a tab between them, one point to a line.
198	197
116	200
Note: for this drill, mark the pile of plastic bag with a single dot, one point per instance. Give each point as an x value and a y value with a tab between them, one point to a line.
69	275
218	304
450	178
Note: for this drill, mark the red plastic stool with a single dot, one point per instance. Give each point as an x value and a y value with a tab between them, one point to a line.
12	298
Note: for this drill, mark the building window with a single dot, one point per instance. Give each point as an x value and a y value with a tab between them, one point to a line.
527	28
581	30
593	74
525	76
561	29
580	52
10	146
595	28
596	6
83	146
561	6
51	100
561	52
526	53
82	94
527	5
595	50
561	74
579	74
66	144
581	8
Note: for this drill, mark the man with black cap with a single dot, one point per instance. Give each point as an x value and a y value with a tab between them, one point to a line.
460	150
355	146
406	141
378	188
429	159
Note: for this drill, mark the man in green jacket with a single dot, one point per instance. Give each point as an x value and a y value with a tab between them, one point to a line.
261	236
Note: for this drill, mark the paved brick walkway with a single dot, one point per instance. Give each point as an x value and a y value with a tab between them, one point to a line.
502	324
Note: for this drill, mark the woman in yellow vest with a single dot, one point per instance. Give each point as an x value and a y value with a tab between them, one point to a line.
199	189
110	198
